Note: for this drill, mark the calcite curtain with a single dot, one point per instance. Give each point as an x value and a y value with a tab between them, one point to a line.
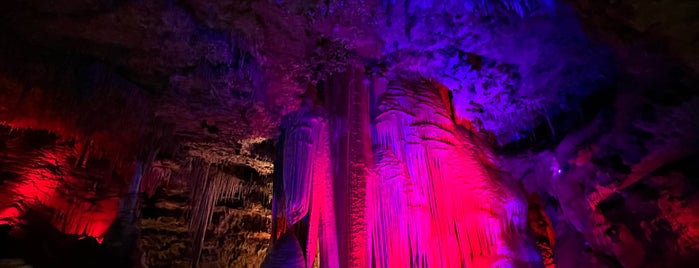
433	195
307	193
437	199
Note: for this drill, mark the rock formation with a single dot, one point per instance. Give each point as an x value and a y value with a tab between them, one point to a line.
349	133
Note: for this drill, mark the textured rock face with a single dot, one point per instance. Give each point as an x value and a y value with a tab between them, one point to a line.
152	126
437	198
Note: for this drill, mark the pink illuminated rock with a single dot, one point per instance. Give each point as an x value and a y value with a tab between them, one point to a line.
437	200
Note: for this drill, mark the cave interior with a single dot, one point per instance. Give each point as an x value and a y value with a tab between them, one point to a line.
349	133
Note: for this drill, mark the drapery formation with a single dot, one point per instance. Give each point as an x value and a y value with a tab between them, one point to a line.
307	198
304	151
437	200
432	195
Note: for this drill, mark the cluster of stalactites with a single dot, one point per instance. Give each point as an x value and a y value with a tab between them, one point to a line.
436	201
209	185
307	192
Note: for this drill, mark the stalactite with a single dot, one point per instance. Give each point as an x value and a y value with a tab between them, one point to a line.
209	185
200	203
82	161
328	250
307	190
303	137
279	221
322	236
316	204
436	201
